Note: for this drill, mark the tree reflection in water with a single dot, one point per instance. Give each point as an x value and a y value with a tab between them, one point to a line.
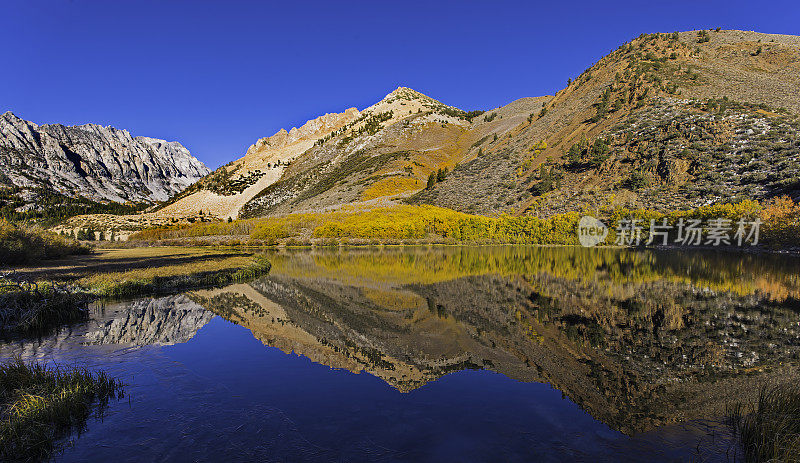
637	338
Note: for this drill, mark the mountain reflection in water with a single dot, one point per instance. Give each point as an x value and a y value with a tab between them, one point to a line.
639	340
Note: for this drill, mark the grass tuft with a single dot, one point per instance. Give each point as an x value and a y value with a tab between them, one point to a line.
769	429
40	405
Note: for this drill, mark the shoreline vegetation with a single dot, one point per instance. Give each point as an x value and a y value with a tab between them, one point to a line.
406	224
40	405
769	428
171	279
35	304
28	307
20	244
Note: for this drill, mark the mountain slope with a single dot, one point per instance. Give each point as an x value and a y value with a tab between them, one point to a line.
683	119
387	154
226	190
667	121
90	162
399	140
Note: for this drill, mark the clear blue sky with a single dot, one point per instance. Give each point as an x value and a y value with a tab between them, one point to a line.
216	76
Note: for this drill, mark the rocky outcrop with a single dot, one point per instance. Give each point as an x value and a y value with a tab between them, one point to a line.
149	321
311	130
94	162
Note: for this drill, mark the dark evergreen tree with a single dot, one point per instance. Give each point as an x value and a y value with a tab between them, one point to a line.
431	180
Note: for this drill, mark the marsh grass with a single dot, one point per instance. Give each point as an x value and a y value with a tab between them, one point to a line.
27	307
176	277
769	429
40	405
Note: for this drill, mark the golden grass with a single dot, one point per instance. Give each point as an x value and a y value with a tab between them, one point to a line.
210	271
112	278
157	251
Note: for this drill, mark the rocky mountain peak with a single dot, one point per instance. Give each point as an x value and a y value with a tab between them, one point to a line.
403	102
405	93
94	162
9	115
12	120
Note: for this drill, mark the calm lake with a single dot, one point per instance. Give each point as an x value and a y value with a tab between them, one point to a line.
442	354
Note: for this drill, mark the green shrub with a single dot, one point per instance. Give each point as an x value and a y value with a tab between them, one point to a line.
636	181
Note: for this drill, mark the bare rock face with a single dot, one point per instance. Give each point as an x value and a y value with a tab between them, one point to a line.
95	162
161	321
311	130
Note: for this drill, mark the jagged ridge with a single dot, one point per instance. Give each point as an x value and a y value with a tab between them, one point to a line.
91	161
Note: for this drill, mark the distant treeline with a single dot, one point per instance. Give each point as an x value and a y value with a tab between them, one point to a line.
429	224
52	207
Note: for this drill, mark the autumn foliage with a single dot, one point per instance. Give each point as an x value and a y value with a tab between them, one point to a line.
430	224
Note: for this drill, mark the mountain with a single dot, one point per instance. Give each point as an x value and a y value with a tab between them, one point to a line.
90	163
388	150
666	121
226	190
389	154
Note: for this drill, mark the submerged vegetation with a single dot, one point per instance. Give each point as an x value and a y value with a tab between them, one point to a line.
769	429
40	405
21	245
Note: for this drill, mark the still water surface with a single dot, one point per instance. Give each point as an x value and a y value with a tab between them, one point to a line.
443	354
